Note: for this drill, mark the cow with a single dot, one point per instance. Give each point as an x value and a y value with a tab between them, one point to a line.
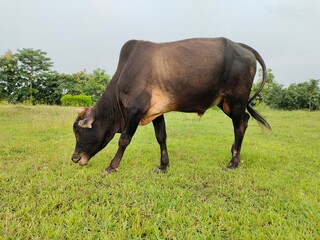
152	79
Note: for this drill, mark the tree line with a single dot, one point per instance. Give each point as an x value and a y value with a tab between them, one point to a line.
305	95
27	77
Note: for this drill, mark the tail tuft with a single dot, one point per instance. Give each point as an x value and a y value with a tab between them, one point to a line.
258	117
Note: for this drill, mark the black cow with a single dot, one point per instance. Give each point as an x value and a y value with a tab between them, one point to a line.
154	78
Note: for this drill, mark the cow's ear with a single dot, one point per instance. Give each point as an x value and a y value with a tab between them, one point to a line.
86	123
80	111
87	118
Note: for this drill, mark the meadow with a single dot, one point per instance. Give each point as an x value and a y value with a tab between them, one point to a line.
274	194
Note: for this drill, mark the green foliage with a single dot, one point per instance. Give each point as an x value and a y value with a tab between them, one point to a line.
26	76
50	90
96	84
32	65
274	194
8	76
77	101
305	95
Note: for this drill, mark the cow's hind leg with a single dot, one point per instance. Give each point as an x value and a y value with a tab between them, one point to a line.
240	123
134	117
161	135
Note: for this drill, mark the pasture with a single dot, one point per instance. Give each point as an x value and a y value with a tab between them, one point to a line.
274	194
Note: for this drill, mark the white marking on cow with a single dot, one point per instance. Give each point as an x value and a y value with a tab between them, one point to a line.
160	103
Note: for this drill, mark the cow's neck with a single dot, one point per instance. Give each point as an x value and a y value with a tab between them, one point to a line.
107	111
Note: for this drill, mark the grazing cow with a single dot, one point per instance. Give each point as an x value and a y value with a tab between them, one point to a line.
154	78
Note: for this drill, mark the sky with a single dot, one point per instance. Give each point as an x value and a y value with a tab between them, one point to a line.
88	34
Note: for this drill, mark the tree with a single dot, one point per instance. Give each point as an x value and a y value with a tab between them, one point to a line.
273	95
91	84
32	64
49	90
305	95
314	94
8	75
271	84
96	84
27	76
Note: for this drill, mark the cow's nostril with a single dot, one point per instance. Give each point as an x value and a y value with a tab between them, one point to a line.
75	158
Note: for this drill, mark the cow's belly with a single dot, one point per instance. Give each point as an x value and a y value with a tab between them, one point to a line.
162	102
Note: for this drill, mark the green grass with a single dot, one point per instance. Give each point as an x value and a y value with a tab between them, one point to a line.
274	194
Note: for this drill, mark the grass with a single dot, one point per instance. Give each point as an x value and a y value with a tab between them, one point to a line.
274	194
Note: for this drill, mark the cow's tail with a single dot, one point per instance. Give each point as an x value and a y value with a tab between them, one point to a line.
253	112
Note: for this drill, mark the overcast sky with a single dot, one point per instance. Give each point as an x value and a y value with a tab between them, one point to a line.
88	34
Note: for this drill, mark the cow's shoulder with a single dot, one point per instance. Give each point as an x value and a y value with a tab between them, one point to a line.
125	53
127	49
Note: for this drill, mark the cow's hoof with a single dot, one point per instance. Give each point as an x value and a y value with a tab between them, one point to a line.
233	163
231	166
159	170
108	171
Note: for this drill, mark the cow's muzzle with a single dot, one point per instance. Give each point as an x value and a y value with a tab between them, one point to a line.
80	158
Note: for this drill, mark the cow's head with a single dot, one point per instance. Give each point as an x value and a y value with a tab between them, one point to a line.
89	136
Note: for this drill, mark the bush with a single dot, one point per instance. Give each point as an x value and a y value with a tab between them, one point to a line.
77	101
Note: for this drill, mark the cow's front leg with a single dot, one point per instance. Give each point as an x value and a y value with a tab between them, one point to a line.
161	135
134	118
